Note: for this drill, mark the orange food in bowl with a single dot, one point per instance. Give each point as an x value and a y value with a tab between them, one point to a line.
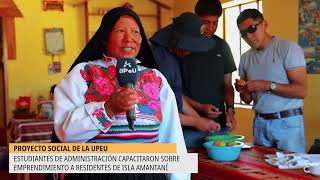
232	143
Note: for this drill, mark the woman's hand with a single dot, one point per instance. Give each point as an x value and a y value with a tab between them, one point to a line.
121	101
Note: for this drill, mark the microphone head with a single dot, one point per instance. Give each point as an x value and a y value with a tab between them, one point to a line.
127	71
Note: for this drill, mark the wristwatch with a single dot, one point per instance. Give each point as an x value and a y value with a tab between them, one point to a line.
273	86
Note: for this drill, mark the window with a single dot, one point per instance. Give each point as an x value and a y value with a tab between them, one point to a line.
228	30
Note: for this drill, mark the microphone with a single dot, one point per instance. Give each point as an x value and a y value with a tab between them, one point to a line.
127	77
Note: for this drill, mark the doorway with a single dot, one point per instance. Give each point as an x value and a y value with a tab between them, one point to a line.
3	134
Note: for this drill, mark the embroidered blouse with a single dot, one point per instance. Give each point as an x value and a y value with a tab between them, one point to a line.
79	114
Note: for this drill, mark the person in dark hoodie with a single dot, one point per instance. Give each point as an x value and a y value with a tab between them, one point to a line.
172	43
207	76
90	106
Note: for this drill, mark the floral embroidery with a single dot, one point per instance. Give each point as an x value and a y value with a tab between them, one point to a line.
142	98
112	71
148	89
151	90
85	75
108	59
103	86
96	71
91	98
153	104
107	124
98	113
101	83
150	76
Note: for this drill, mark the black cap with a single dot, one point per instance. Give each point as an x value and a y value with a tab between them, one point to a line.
183	33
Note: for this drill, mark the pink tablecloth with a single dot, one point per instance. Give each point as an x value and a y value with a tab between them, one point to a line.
31	130
249	166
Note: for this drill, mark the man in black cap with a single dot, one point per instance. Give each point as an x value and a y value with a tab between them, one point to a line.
169	45
207	75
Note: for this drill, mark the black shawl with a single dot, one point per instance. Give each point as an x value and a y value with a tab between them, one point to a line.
97	44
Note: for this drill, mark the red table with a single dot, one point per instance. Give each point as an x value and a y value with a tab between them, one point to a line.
31	130
250	165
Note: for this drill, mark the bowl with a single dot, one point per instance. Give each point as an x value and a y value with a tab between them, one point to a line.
223	153
226	138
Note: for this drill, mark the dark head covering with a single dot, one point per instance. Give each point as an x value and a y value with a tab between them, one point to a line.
97	44
183	33
249	13
208	7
